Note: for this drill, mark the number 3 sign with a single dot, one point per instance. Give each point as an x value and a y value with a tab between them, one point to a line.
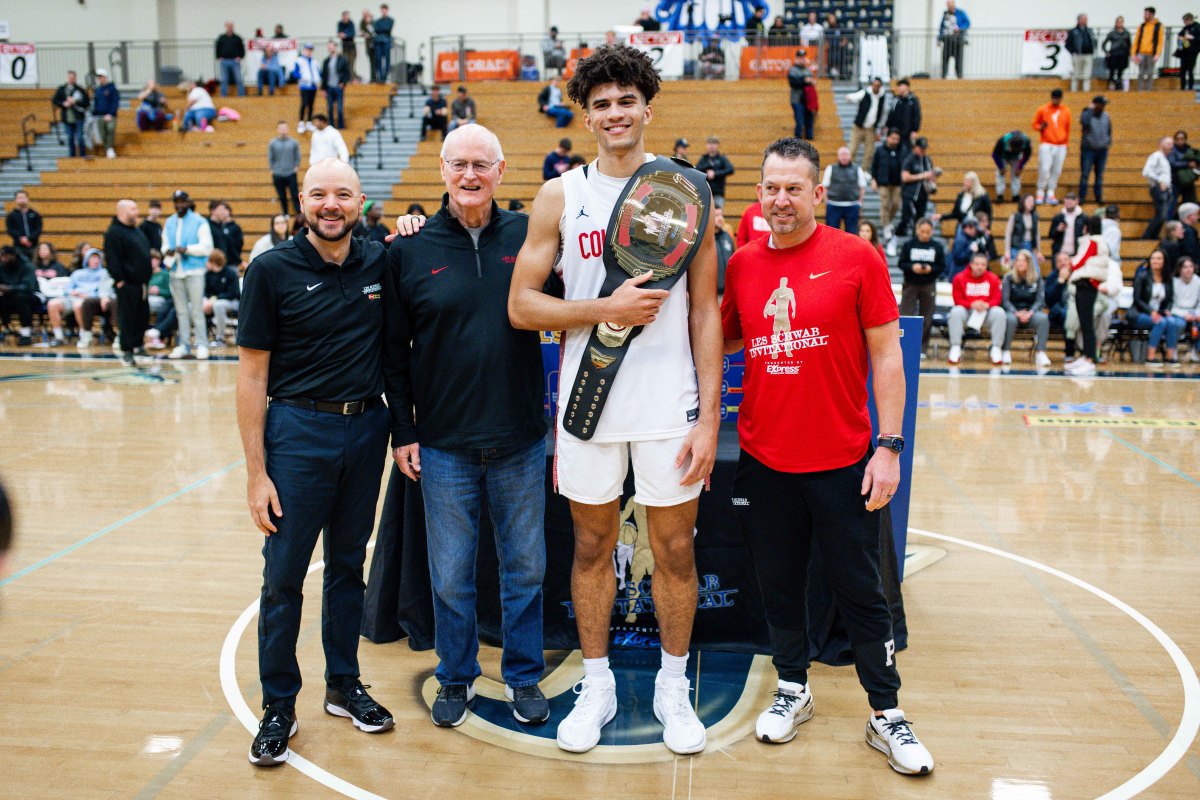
1045	53
18	65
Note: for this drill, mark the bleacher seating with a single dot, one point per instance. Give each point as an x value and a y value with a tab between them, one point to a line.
15	105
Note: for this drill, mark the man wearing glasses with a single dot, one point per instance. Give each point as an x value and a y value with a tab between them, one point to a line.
464	390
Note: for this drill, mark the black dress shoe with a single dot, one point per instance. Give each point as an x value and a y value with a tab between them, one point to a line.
270	746
353	701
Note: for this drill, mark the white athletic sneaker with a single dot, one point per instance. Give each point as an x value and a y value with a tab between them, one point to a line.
1080	366
955	354
180	351
595	707
779	722
300	126
1006	357
892	734
202	353
1042	360
85	340
116	345
110	153
683	732
995	354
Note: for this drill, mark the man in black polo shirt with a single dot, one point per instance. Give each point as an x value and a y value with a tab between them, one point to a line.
309	339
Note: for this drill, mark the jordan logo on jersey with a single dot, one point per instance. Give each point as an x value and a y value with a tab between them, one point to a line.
582	213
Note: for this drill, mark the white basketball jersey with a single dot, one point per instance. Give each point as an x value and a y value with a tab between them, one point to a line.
654	395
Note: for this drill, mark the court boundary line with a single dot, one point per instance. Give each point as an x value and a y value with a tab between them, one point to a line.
1175	751
1151	457
1189	722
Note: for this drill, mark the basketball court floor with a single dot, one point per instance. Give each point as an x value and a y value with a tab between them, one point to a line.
1051	596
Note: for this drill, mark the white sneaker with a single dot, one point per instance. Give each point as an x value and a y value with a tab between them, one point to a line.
595	707
683	732
892	734
1080	366
1042	361
955	354
180	351
202	353
154	342
110	153
117	345
85	340
779	722
1193	356
300	126
995	354
1006	357
308	126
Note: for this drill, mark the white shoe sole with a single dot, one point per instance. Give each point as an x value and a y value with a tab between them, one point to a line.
338	711
804	715
680	749
880	744
508	694
271	761
583	748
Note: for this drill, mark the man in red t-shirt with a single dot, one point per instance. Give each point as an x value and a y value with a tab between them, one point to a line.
752	225
977	296
814	309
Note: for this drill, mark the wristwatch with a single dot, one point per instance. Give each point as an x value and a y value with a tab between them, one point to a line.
893	443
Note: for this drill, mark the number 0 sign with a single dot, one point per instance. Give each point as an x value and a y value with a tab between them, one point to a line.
18	65
1045	53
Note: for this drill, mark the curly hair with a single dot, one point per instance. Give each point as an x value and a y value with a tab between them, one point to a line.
619	64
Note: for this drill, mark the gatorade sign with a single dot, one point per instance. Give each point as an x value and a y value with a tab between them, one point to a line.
482	65
18	65
767	61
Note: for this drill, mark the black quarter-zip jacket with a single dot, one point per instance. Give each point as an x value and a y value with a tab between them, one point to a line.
457	374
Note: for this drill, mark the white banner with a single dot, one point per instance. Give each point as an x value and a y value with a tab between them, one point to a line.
18	65
1045	53
665	49
873	60
288	50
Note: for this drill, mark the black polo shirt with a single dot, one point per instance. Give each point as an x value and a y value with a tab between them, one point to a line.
322	323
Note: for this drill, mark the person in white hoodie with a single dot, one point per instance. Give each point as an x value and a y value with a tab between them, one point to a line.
326	142
1186	305
1090	269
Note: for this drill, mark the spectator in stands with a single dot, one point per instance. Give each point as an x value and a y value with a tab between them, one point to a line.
1187	51
230	52
214	226
838	48
158	298
1153	297
647	22
971	200
868	119
1066	227
557	161
577	162
366	26
200	111
270	71
1147	48
1081	44
372	227
72	99
45	262
977	296
1189	214
1096	126
811	32
845	186
1053	124
517	206
952	37
106	104
77	255
234	241
152	108
279	232
917	176
799	78
554	53
383	44
188	239
987	243
462	109
89	295
905	115
326	142
1089	269
1182	158
278	33
550	103
868	232
712	59
1011	152
128	255
752	225
1023	231
1110	229
18	289
681	150
1173	233
436	113
756	25
778	33
1185	306
345	31
716	168
222	292
308	78
24	224
1023	295
1157	171
885	179
1057	282
283	159
335	74
966	245
723	236
921	259
1118	45
415	208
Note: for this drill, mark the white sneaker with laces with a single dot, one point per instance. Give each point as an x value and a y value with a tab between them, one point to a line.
1006	357
202	353
1042	360
683	732
996	355
778	723
892	734
110	153
180	351
955	354
595	707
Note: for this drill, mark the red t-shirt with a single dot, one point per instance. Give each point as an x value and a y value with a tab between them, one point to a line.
966	288
752	225
804	404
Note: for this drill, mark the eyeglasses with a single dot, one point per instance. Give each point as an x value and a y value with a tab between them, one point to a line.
479	167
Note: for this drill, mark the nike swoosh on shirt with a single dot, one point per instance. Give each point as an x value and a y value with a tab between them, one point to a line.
814	275
439	269
315	285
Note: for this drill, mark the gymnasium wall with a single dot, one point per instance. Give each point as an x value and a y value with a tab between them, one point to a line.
1010	14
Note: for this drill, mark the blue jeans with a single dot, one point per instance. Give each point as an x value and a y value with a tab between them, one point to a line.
383	57
1090	159
1164	207
1168	327
231	72
454	483
845	217
804	121
326	469
270	78
192	118
562	115
335	100
75	146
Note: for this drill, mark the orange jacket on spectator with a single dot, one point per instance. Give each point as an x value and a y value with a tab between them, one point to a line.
1057	120
1150	38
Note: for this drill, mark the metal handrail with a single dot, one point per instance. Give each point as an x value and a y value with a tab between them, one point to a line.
358	143
28	137
54	126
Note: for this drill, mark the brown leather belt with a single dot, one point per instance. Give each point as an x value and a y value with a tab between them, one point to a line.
356	407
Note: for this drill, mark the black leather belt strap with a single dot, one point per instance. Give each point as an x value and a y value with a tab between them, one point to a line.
356	407
644	234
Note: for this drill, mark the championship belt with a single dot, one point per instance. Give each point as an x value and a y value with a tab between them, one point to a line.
657	226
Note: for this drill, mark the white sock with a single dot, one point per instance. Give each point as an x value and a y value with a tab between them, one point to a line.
597	668
673	667
58	333
28	331
788	687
